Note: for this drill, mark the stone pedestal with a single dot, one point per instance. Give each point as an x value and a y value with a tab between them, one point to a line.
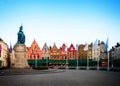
20	56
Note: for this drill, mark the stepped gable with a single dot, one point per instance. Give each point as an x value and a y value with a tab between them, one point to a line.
71	48
54	48
71	52
45	51
45	48
34	51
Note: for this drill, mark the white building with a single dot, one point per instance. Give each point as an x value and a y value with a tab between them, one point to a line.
96	53
99	51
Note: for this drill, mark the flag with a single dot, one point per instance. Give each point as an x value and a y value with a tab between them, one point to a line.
45	50
77	45
95	44
107	44
10	48
86	47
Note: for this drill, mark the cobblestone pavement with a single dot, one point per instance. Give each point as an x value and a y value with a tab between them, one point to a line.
27	71
66	78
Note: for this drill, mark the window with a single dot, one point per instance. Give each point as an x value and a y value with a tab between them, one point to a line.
38	56
34	56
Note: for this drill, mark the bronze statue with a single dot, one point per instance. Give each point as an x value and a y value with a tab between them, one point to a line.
21	36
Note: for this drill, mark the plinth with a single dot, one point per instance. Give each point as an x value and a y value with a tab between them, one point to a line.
20	56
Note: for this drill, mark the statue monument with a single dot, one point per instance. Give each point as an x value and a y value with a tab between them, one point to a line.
20	51
21	36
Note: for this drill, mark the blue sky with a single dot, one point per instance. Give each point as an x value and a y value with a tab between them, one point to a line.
60	21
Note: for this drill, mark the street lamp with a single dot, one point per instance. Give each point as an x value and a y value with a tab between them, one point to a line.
86	49
46	61
87	61
35	61
77	55
66	57
98	63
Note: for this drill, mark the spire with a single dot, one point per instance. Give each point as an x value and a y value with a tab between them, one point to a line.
10	48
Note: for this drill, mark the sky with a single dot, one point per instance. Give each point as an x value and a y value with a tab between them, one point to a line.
60	21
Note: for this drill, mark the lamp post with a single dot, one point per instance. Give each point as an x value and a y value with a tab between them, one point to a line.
98	63
35	61
66	57
46	61
87	59
77	64
86	49
108	60
66	62
77	56
45	52
87	62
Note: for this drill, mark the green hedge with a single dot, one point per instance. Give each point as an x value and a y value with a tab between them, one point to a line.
70	62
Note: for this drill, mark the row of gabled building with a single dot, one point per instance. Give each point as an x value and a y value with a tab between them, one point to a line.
51	52
71	53
55	53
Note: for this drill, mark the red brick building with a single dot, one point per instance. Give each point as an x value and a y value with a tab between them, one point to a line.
72	54
34	51
63	52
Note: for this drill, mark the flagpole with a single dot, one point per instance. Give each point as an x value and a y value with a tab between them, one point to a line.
35	62
86	49
107	53
66	62
77	60
66	57
45	56
108	60
87	61
77	56
98	63
95	47
46	61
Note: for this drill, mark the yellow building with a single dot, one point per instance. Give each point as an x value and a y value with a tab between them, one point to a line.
82	54
54	53
103	50
4	52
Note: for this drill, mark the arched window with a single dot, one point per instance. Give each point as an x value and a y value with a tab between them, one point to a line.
38	56
34	56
